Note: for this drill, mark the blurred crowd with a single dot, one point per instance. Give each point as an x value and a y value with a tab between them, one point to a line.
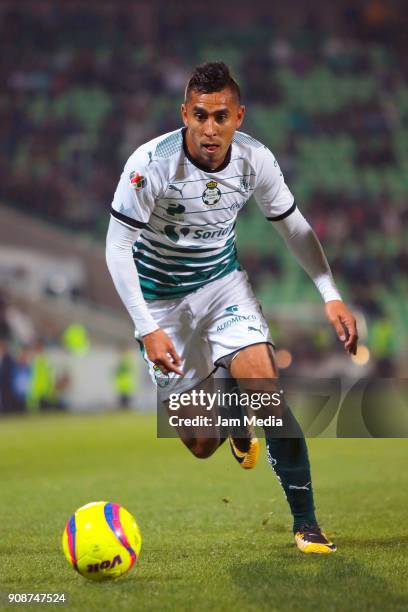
28	381
34	377
84	85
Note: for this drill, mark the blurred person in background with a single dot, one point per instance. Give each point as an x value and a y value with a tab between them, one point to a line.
22	377
172	256
7	365
42	392
125	378
19	323
75	339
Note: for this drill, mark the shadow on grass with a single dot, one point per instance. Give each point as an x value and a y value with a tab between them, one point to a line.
291	581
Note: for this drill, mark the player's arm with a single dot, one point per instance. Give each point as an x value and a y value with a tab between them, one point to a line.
119	258
305	246
132	206
277	203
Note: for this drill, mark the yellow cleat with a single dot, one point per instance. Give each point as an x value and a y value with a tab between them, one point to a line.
247	460
310	539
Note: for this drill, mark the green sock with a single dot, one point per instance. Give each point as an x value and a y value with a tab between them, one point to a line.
290	462
241	433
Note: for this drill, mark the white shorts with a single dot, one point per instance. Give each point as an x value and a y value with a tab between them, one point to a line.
205	326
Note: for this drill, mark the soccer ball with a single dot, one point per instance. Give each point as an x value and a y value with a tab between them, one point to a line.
101	541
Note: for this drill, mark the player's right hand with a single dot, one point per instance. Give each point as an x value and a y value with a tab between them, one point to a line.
344	323
160	350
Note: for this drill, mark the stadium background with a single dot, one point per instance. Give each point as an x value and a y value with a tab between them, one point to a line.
83	84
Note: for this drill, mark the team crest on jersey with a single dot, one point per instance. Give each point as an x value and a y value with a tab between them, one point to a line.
137	181
211	194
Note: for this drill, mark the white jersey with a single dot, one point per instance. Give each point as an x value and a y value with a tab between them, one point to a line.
188	213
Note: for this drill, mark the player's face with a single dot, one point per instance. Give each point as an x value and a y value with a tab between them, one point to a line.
211	120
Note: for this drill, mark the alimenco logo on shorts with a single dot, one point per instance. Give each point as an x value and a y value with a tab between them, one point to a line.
235	319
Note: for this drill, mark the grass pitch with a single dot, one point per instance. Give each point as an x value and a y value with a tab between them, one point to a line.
215	537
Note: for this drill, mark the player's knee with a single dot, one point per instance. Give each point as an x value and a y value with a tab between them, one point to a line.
255	361
203	447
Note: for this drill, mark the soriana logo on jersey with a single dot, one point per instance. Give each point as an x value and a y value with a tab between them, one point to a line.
137	181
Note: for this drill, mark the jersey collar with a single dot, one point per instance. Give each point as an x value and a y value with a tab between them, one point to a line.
224	164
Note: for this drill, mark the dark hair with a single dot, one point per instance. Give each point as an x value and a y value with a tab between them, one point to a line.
210	77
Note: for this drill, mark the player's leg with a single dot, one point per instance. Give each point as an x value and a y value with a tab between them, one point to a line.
243	442
198	443
174	317
204	440
232	319
201	447
287	456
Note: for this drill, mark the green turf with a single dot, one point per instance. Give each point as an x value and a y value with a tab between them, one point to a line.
214	536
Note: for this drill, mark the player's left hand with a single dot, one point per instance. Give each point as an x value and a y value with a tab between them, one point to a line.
344	323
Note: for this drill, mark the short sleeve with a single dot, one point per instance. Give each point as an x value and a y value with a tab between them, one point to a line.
135	195
272	194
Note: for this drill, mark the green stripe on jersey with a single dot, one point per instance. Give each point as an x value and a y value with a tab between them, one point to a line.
167	271
158	286
174	267
190	279
177	259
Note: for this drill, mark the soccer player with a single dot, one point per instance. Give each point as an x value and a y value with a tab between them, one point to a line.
172	256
